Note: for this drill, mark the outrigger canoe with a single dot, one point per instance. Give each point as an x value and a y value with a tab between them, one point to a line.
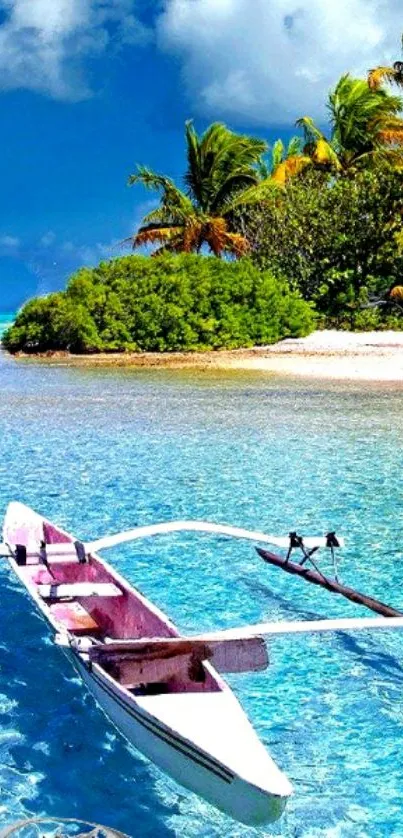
163	691
160	690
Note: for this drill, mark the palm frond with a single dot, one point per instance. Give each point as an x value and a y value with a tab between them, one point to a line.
324	154
316	145
170	212
294	147
237	244
153	233
277	154
310	131
391	136
214	234
155	216
150	179
255	195
289	168
391	156
378	75
193	178
388	131
220	240
263	169
235	185
171	195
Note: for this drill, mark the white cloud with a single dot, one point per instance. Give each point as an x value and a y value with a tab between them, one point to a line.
44	43
269	61
91	254
48	238
11	242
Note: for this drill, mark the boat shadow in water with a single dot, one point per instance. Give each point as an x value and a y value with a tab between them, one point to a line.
368	652
59	754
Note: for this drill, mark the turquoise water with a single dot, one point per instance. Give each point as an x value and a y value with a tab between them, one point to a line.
100	451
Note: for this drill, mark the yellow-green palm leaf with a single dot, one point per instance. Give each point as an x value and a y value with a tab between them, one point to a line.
290	168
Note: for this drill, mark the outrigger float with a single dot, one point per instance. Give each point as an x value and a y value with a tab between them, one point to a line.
162	690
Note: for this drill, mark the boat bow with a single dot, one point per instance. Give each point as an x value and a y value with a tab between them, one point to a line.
214	724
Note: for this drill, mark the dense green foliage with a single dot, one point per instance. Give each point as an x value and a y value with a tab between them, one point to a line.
171	302
338	239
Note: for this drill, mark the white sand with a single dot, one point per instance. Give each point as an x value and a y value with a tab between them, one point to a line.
331	340
366	356
344	356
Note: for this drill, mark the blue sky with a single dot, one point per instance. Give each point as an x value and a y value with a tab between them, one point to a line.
89	88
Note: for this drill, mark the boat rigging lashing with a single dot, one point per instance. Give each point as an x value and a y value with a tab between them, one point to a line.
44	559
333	542
80	551
297	542
20	554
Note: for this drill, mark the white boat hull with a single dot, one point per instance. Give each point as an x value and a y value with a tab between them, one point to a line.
182	760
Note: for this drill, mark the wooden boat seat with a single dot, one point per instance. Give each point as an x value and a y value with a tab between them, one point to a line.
74	618
61	590
133	673
153	661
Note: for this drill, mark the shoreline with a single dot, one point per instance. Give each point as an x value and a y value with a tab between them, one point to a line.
344	356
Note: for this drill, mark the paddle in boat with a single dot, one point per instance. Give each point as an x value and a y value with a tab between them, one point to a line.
163	691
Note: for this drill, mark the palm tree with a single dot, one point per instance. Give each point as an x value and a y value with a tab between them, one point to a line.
366	127
394	75
222	165
365	123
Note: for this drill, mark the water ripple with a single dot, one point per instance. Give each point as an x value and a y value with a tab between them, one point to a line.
100	451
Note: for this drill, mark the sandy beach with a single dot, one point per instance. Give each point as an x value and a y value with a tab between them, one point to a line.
345	356
365	356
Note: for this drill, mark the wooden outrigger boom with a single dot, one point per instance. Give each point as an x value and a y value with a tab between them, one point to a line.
317	578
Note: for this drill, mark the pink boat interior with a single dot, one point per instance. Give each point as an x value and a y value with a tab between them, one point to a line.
125	615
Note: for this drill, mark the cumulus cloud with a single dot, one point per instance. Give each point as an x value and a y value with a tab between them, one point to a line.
9	242
48	238
270	61
44	43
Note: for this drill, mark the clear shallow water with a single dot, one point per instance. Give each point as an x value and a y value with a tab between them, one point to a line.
100	451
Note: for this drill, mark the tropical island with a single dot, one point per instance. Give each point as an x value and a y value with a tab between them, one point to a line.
259	245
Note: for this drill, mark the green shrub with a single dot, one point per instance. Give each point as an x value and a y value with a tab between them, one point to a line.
52	323
338	240
168	303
